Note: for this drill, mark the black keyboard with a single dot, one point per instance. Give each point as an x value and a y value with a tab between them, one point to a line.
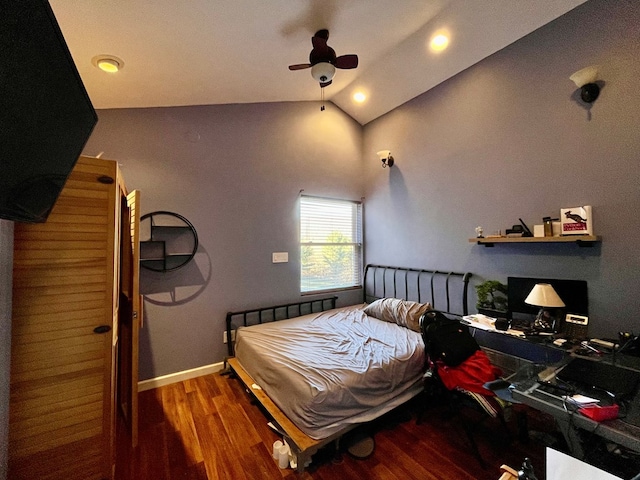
555	390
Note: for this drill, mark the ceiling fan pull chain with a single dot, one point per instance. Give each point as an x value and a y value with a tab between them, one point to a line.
322	99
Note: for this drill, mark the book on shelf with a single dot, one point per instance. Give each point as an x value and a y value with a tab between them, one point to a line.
576	220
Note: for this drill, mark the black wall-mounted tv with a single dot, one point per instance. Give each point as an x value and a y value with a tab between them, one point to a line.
46	116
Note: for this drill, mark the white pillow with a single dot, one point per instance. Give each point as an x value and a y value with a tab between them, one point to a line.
395	310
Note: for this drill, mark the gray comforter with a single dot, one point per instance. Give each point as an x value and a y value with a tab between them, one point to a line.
327	370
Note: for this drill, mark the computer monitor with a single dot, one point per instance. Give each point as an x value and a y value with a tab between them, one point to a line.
572	292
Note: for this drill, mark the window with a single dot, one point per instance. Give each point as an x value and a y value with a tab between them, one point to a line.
330	244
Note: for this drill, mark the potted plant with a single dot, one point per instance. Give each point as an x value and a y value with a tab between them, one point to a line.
492	298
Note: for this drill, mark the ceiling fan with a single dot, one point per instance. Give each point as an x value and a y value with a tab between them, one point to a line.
323	60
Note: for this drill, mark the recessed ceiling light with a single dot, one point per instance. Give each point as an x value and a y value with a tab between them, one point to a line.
439	42
107	63
359	97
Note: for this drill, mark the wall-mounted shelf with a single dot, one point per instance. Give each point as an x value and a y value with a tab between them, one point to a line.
169	241
581	240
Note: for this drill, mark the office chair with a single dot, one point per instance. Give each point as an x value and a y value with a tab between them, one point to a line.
456	386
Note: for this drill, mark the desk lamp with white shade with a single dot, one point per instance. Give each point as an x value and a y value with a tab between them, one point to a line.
544	296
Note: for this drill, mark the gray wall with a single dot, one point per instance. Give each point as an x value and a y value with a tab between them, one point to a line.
6	273
235	171
507	139
504	139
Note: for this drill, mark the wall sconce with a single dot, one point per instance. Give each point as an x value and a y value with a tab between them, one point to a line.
585	80
543	295
385	158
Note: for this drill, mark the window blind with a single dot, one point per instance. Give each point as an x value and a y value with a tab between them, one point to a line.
330	244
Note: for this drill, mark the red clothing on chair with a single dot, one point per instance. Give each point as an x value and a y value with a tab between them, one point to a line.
470	375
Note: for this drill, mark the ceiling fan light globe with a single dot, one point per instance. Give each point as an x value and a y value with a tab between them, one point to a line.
323	72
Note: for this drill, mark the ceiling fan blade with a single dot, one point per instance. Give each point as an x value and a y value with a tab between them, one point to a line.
347	61
325	84
299	66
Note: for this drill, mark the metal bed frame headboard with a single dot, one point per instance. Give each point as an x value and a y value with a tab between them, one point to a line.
379	281
400	282
274	313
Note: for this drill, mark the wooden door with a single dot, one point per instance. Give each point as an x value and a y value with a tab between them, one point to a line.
133	201
61	410
130	315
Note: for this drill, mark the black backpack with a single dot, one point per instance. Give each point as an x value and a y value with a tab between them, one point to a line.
446	339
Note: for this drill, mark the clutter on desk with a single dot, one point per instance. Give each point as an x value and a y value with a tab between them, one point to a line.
502	324
581	400
603	343
502	389
590	348
480	321
484	322
600	413
560	342
597	346
629	344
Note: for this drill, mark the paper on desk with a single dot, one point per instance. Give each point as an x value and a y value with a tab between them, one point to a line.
488	323
515	333
481	321
561	467
581	400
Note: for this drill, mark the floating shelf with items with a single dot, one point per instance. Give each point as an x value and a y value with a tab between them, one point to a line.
581	240
171	241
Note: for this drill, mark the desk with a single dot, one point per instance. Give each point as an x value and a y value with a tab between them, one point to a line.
616	431
537	352
510	353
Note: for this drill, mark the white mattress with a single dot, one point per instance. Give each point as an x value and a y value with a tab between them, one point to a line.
330	369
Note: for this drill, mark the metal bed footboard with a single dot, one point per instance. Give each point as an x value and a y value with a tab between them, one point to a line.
447	291
272	313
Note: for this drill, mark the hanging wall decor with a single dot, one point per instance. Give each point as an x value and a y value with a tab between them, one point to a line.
168	241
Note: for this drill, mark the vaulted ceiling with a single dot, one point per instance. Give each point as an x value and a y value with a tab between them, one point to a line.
205	52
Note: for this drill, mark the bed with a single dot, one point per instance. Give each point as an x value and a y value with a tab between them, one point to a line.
319	370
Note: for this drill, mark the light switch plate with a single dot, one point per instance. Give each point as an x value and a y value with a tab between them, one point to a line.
280	257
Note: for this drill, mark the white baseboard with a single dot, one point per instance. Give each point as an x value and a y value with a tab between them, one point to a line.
179	376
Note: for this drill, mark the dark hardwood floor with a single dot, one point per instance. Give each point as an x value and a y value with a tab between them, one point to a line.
207	428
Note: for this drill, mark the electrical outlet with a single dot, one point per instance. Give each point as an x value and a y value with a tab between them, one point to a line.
224	336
